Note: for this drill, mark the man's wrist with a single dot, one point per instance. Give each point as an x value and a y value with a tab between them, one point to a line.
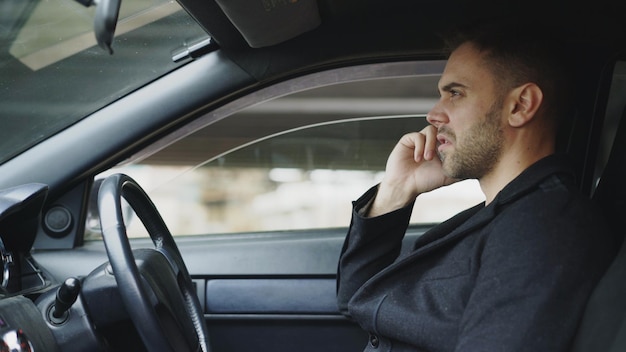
385	201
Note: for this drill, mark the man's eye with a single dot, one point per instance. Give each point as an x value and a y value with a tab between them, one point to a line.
454	93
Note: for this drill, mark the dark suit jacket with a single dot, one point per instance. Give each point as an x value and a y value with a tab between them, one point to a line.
512	276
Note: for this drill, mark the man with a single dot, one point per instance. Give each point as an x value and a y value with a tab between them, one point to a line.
512	274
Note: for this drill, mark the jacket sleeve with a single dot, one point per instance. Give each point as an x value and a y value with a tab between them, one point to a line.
370	245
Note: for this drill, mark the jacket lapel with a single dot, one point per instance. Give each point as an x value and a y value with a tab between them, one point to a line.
447	232
448	227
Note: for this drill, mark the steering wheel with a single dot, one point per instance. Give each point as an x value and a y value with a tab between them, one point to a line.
154	283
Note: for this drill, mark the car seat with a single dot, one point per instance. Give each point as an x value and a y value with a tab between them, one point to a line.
603	326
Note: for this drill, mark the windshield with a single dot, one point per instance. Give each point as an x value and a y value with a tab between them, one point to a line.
53	73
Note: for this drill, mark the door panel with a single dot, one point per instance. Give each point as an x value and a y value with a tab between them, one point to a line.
249	310
270	296
301	334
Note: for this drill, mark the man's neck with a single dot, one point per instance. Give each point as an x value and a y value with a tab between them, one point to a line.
505	171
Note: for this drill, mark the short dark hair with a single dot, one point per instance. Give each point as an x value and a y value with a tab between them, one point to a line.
519	53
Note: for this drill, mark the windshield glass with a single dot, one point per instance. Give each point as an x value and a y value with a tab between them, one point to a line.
53	73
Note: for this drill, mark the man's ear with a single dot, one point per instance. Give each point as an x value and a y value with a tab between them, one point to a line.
525	100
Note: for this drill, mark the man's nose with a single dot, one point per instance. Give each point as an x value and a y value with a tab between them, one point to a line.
436	116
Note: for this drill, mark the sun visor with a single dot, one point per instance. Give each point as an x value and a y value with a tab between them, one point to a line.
269	22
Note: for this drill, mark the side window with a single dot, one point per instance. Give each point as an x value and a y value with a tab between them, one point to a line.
291	170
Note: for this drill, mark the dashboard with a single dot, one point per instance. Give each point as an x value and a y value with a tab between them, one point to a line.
20	212
23	326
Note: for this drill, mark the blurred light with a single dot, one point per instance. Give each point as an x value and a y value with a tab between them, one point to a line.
285	175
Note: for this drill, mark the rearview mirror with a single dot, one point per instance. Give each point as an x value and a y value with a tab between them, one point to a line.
107	13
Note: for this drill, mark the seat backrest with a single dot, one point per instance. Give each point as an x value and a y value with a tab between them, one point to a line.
603	327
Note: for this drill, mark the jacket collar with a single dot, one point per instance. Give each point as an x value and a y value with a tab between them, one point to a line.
533	175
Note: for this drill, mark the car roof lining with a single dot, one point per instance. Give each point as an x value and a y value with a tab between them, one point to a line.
348	28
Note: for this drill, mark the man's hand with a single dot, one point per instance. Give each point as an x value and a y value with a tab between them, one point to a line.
412	168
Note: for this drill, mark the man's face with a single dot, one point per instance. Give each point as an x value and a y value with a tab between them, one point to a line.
468	116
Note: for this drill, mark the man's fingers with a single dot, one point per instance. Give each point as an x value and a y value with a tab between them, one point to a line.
430	144
414	142
423	143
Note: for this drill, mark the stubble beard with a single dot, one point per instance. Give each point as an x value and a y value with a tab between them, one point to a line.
478	151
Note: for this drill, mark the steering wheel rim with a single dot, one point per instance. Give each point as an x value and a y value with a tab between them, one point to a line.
135	291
